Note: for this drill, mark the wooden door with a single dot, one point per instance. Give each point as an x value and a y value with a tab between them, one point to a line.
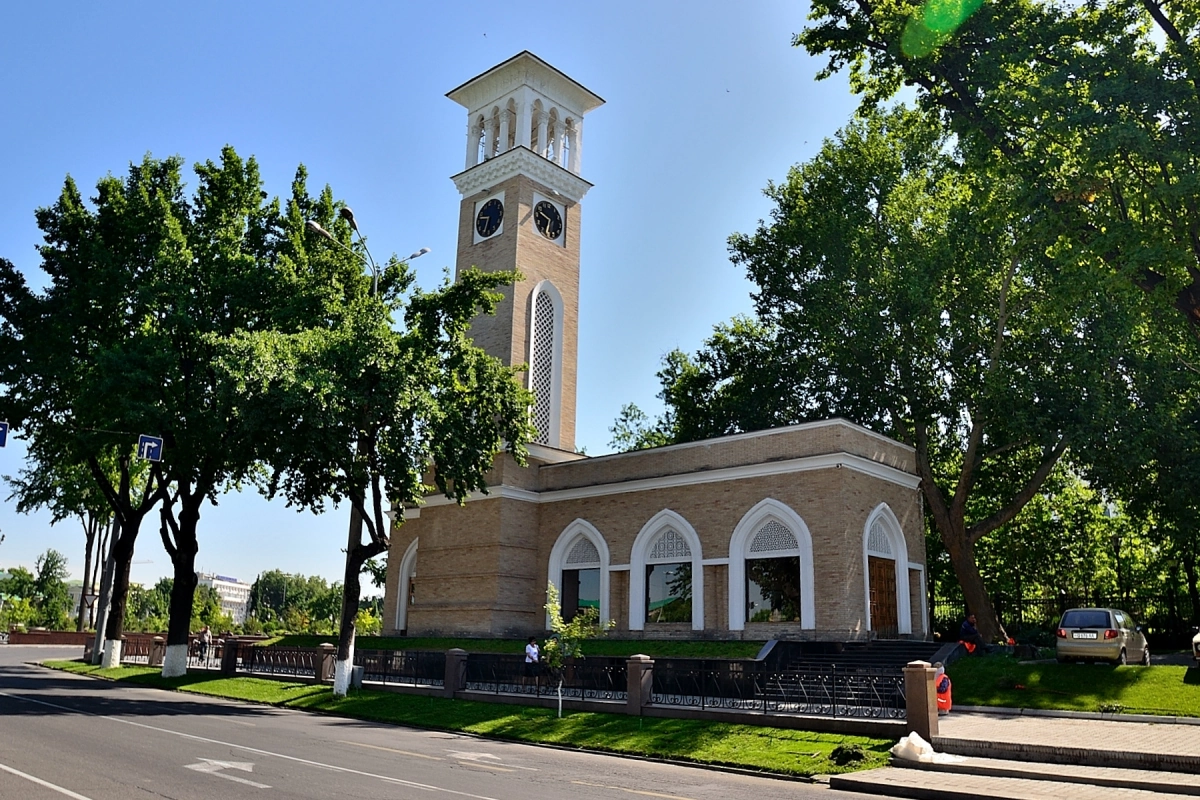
882	574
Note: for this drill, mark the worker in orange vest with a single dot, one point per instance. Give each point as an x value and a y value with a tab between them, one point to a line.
941	682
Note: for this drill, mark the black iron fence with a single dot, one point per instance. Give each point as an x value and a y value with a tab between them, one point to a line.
861	692
300	662
417	667
595	678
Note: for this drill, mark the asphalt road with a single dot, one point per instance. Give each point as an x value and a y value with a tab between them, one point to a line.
67	736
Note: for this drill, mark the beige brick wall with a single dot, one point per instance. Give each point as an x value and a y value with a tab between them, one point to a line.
520	247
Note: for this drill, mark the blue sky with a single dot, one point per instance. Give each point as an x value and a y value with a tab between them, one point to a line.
706	102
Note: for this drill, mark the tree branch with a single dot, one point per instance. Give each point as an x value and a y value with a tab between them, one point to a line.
1006	514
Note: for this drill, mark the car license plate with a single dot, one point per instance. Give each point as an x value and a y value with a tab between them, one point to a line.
1078	635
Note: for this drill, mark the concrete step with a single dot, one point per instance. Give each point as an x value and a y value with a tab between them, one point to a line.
1149	780
1116	754
931	785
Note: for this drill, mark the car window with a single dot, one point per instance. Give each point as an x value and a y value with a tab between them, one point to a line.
1085	619
1121	621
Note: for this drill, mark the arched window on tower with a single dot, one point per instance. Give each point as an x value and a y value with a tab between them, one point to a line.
510	113
537	130
480	140
553	133
545	359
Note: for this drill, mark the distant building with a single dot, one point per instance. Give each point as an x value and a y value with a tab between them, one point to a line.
234	595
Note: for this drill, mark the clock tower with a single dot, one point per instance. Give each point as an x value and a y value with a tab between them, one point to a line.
520	211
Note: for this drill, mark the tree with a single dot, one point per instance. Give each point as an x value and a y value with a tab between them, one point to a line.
389	394
1088	111
50	589
153	284
68	490
899	291
567	638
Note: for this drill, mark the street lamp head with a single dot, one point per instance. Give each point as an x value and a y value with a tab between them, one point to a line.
316	228
345	213
418	254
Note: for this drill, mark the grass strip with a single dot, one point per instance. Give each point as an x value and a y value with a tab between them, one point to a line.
778	750
594	647
1000	680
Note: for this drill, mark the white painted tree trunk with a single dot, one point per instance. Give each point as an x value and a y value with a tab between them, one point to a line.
175	661
341	674
112	654
560	698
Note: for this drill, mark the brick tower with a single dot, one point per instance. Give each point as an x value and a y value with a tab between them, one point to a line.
520	211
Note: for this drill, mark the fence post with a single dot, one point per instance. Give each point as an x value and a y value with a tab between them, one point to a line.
158	651
456	672
920	700
328	654
229	656
639	683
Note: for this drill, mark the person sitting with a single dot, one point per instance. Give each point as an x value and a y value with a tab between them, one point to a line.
969	635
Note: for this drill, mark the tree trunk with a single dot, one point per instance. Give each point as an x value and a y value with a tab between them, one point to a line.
115	624
979	602
90	532
183	591
1189	569
106	582
351	587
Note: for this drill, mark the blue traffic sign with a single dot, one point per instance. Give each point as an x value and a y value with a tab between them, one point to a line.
3	434
150	447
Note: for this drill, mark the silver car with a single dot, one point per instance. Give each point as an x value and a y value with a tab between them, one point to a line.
1100	634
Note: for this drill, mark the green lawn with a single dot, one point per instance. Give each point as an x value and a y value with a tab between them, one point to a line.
999	680
596	647
769	749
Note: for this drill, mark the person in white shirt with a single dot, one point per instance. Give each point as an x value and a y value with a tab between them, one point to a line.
532	657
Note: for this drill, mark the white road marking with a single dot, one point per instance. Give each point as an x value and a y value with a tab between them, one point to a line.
632	791
212	767
393	750
484	759
256	750
41	782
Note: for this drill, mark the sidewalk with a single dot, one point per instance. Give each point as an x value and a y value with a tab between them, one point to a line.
1023	756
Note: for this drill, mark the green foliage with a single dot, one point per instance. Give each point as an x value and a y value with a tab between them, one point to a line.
280	602
567	638
367	622
19	583
17	611
632	430
50	590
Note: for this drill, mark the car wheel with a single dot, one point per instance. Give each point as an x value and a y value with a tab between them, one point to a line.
1146	656
1121	659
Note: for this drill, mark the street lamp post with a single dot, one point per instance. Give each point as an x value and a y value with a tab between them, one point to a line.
344	661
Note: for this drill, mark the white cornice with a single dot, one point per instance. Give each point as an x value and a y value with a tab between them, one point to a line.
734	437
525	69
521	160
807	464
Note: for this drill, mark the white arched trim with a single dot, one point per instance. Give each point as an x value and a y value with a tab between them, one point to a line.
893	534
407	564
580	528
739	545
556	357
637	567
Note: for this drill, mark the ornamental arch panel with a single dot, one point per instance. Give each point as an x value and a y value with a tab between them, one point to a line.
667	538
581	546
770	529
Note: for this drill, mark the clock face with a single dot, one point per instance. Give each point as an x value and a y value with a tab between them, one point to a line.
547	219
491	214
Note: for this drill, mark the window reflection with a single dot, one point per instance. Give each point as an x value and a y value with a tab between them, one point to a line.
669	592
580	590
773	589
